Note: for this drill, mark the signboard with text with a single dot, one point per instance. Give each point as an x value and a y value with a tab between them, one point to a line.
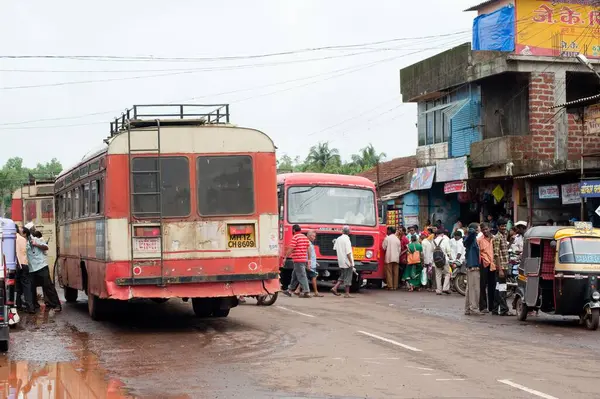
422	178
590	189
455	187
592	118
570	194
549	192
557	28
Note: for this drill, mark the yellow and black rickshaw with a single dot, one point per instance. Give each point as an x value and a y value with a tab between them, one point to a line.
559	273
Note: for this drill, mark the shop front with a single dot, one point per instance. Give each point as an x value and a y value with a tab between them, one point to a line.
449	199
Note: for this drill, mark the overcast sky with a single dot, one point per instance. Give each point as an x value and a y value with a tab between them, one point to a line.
324	89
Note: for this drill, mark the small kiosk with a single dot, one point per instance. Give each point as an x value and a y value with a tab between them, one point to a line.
8	271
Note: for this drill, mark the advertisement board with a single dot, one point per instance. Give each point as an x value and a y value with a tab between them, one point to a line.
452	169
422	178
570	194
549	192
557	28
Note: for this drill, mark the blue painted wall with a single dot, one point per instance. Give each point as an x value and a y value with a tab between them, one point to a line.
411	205
441	207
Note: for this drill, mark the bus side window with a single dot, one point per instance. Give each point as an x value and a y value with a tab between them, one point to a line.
280	201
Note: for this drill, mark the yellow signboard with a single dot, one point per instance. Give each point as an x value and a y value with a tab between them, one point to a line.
557	28
498	193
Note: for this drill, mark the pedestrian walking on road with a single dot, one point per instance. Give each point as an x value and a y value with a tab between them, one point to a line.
441	254
343	248
404	241
472	258
312	263
412	273
427	258
392	247
40	272
501	261
488	270
299	250
24	291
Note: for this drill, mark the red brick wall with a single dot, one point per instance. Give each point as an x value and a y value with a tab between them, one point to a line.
541	115
591	142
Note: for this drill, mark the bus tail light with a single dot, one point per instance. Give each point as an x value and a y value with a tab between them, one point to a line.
153	231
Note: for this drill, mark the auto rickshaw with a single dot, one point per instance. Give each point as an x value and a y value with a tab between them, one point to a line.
559	273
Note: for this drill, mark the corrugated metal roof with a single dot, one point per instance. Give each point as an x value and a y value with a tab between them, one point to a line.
478	6
395	195
580	101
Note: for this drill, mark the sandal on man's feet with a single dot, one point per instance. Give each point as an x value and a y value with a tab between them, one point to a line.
334	292
287	293
348	296
317	295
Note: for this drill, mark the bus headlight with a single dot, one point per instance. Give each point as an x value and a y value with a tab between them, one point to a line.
596	296
369	254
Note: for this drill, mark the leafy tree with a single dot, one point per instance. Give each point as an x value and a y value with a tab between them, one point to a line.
322	158
368	157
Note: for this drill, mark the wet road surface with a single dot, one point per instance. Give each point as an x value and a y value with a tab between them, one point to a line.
377	345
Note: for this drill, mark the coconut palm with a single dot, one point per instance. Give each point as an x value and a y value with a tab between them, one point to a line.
367	157
321	157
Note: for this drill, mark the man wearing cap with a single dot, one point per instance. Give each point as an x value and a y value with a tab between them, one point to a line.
442	242
517	245
343	248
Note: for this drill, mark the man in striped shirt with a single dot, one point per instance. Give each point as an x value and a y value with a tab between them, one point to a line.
299	250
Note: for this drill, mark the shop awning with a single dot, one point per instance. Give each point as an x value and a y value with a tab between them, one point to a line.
393	196
542	174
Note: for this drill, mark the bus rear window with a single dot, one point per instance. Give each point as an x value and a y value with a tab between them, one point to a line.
175	187
225	185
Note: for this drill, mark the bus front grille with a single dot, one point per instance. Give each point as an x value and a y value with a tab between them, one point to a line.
325	242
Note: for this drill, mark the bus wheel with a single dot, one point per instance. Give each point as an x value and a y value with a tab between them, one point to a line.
4	346
356	282
221	312
203	307
71	294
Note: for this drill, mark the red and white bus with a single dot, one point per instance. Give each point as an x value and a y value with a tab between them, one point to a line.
178	203
325	203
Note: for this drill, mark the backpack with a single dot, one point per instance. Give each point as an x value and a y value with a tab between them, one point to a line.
439	257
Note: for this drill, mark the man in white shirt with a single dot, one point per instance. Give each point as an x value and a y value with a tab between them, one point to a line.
457	248
442	242
392	247
517	245
343	248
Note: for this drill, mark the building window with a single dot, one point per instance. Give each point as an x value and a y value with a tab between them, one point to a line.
225	185
174	188
47	210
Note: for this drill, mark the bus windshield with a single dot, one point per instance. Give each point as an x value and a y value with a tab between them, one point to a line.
331	205
579	250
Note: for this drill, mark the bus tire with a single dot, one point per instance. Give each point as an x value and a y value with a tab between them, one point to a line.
203	307
96	307
4	346
356	282
221	312
71	294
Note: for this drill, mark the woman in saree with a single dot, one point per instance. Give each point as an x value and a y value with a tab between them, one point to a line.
412	272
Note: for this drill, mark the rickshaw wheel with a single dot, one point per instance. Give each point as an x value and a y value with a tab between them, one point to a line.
267	300
521	310
592	320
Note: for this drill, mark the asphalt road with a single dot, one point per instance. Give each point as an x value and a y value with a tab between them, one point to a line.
377	345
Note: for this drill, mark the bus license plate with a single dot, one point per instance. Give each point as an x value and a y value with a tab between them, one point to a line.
147	244
241	236
358	253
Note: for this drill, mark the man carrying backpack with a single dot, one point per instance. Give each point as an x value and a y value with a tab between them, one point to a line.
441	254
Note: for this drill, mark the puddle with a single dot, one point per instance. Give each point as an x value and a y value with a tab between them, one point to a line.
79	379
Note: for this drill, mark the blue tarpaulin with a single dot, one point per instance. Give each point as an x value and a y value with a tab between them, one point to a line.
495	31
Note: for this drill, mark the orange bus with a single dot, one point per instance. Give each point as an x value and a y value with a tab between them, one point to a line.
178	203
325	203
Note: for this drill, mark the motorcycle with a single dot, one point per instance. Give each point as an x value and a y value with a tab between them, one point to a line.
514	260
458	277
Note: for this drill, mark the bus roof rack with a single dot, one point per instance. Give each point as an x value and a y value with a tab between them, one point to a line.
170	114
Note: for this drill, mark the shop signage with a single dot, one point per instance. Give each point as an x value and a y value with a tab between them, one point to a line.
498	193
540	23
422	178
455	187
592	119
570	194
452	169
590	188
411	220
549	192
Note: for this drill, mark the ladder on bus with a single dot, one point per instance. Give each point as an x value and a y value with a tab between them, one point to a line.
153	217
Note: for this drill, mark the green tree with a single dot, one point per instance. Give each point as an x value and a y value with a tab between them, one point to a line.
323	158
367	157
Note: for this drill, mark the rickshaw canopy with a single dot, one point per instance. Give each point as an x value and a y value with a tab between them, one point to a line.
558	232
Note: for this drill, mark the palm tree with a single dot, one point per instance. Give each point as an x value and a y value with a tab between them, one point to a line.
368	157
321	156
